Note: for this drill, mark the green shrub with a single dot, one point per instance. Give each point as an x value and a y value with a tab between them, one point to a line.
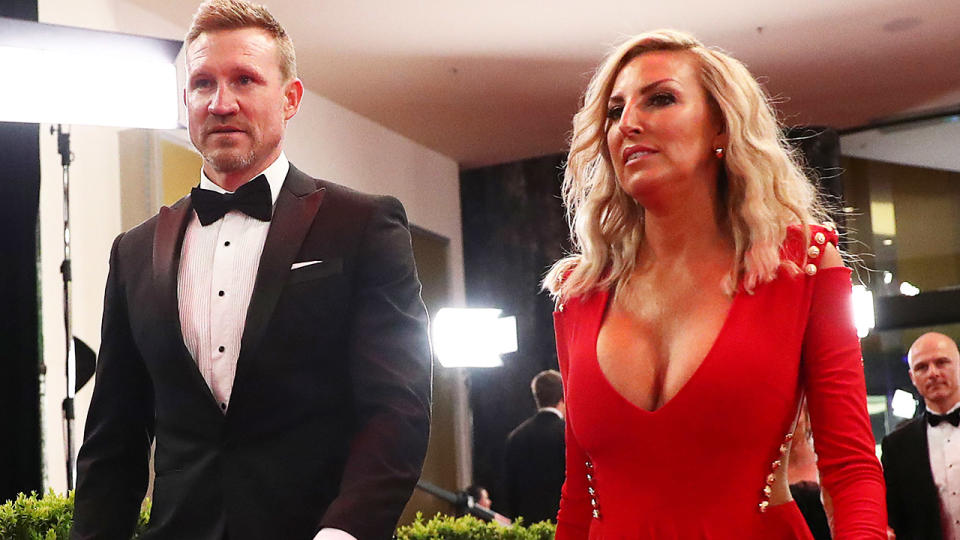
32	517
470	528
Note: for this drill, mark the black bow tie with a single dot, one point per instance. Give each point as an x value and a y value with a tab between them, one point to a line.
252	198
934	419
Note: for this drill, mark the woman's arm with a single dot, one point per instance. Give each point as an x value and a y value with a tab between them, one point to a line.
833	374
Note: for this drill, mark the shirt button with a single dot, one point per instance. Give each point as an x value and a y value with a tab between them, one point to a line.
223	406
220	293
227	243
222	348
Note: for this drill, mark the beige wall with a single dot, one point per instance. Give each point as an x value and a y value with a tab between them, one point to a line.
324	140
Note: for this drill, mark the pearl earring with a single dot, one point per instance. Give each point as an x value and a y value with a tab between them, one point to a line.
718	152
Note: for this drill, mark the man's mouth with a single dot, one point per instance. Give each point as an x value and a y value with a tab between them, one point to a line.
224	130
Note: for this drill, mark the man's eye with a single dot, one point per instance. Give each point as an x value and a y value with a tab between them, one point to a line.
245	79
662	99
201	83
614	112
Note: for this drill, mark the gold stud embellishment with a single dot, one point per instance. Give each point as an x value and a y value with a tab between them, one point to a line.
810	269
813	252
820	238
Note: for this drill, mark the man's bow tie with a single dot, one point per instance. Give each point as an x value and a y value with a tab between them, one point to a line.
252	198
953	418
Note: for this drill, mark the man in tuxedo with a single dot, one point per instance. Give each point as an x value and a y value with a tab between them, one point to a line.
535	454
921	459
266	330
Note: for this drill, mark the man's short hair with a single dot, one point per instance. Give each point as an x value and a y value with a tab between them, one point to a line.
214	15
547	388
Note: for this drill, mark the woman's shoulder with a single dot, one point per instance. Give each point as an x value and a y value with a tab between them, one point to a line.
811	246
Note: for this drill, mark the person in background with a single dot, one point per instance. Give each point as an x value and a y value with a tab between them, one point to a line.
480	496
481	499
805	479
921	458
700	292
534	454
266	331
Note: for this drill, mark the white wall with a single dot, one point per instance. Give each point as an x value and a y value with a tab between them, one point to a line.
324	140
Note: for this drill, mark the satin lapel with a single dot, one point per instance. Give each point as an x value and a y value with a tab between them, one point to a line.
167	244
168	239
922	457
297	205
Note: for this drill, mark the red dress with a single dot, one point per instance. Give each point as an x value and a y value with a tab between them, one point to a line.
696	468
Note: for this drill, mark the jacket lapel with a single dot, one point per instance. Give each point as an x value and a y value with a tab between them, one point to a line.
167	245
297	204
167	242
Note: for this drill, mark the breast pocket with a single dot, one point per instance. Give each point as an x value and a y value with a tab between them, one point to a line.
316	270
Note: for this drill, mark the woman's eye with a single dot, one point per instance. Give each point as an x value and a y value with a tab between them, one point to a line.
662	99
614	112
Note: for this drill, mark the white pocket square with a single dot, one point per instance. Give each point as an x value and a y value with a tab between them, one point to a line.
303	264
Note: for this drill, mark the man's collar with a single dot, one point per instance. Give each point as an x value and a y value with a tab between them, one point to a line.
554	410
946	412
276	173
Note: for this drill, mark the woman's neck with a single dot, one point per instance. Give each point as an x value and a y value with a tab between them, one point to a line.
686	231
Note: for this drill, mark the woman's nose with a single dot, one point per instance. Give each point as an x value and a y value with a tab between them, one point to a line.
630	119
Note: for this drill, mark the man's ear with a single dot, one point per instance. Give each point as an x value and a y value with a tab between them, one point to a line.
292	95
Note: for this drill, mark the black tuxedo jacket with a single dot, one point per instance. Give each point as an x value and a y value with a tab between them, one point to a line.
329	413
913	505
535	466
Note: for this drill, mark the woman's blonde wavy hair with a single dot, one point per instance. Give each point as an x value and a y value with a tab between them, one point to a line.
763	187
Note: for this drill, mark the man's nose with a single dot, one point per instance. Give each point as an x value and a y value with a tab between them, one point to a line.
631	121
223	102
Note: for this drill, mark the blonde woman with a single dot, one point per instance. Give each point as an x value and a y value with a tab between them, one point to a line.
700	305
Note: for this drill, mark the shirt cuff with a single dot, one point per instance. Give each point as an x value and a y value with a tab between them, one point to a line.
333	534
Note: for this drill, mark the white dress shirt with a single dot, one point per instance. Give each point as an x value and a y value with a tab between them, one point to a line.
944	444
218	268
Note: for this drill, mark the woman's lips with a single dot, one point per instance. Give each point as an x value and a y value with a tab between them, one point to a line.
633	153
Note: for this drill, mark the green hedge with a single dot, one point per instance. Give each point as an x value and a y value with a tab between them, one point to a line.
32	517
443	527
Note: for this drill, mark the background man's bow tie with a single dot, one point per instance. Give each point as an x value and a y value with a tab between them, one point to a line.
935	419
252	198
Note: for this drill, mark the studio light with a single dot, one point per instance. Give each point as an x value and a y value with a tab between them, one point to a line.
863	314
63	88
473	337
65	75
903	404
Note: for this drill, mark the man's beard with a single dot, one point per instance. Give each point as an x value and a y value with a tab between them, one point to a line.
225	161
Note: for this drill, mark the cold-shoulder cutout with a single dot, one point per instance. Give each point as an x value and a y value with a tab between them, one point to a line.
831	257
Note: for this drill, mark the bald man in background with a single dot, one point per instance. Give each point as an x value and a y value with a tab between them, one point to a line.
921	459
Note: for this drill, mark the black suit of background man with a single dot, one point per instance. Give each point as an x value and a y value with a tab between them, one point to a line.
534	455
328	420
913	503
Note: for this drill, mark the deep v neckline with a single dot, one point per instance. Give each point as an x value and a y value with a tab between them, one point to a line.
604	305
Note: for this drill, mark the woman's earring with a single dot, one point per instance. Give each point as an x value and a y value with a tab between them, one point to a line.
718	152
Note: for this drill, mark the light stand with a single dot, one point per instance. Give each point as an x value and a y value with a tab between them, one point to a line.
63	147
